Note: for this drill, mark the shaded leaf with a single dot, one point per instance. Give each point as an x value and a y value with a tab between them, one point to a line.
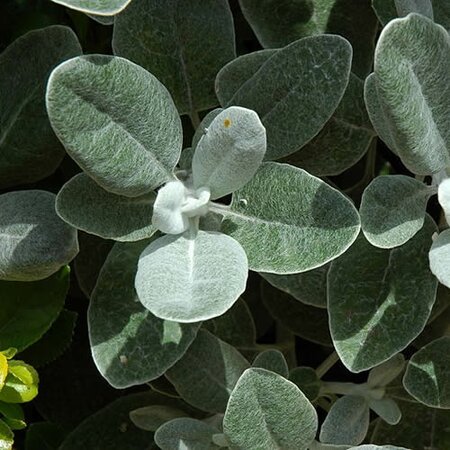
272	360
307	381
150	418
44	436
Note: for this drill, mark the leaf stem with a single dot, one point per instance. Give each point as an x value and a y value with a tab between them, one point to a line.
326	365
195	119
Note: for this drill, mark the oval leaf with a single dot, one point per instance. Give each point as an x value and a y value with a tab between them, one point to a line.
117	121
267	411
189	279
183	42
297	90
305	224
440	257
427	374
272	360
379	300
412	84
85	205
393	209
230	152
444	197
99	7
123	333
35	242
21	384
29	149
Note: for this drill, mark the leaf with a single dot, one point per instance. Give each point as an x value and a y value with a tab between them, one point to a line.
117	121
6	436
267	411
297	90
44	436
440	257
393	209
29	150
375	308
199	133
426	377
444	197
3	369
410	78
189	279
344	139
289	221
424	7
305	321
233	75
387	409
186	433
306	379
230	152
309	287
183	42
347	421
386	372
85	205
114	426
30	308
123	333
376	447
35	242
99	7
21	384
150	418
54	342
207	373
272	360
420	428
278	23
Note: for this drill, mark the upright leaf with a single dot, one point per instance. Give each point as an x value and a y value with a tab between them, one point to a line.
297	90
289	221
427	374
123	333
85	205
208	373
267	411
99	7
117	121
412	84
393	209
29	150
183	42
35	242
380	300
191	278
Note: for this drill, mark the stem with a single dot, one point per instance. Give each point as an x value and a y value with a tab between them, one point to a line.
324	404
195	119
327	364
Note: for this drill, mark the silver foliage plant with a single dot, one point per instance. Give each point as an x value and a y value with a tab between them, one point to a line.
192	214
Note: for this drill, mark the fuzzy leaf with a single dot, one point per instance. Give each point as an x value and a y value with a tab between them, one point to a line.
305	224
444	197
85	205
230	152
189	279
150	418
29	150
29	308
267	411
393	209
309	287
117	121
413	89
297	90
123	333
183	43
272	360
186	433
386	372
307	381
207	373
427	374
440	257
387	409
347	421
35	242
99	7
380	300
424	7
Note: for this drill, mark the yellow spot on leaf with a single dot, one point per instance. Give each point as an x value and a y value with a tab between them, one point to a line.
227	123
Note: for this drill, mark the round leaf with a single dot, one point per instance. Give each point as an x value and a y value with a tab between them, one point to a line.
440	257
85	205
35	242
117	121
29	149
380	300
267	411
272	360
427	374
189	279
123	333
393	209
289	221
